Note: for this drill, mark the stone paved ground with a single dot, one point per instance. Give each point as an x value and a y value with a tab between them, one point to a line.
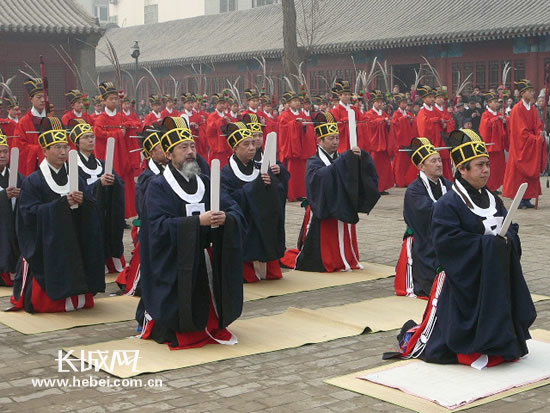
284	381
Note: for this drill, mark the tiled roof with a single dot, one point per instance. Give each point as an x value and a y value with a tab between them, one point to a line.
45	16
346	25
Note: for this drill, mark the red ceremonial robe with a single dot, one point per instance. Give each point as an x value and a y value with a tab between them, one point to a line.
271	123
428	124
93	117
445	154
293	146
152	119
402	132
30	152
310	144
107	126
528	157
492	130
378	142
217	142
9	126
195	122
166	113
70	114
340	113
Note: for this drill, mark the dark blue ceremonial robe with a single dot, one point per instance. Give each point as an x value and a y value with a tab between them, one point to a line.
484	306
110	200
9	248
262	205
417	211
175	286
63	246
338	189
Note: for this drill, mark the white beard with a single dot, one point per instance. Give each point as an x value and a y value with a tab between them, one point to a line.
190	169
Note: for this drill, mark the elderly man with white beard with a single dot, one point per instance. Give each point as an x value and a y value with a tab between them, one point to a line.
191	258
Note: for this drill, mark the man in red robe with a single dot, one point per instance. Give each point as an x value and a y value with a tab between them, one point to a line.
493	130
98	109
26	132
402	131
75	99
378	141
271	123
217	144
202	117
447	126
154	118
294	146
194	120
311	137
252	97
9	124
112	123
527	157
429	124
341	112
169	107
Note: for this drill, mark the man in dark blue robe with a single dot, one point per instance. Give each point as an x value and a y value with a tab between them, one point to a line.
416	268
480	308
191	273
339	186
9	249
262	198
62	247
108	190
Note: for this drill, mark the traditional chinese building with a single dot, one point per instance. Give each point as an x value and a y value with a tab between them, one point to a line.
29	29
340	37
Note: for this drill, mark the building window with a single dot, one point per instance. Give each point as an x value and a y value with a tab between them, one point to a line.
517	74
481	77
102	13
228	5
260	3
151	14
113	19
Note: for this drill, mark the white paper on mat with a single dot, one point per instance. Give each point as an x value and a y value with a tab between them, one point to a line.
453	386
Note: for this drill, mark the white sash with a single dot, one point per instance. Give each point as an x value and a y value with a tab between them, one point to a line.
94	173
240	175
424	179
47	173
189	198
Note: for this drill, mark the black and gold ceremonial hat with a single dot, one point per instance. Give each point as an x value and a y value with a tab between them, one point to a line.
51	132
523	85
377	95
250	94
290	95
10	102
215	98
151	139
399	97
425	91
3	138
421	149
96	100
33	86
188	97
78	128
325	124
441	91
73	95
490	96
155	100
107	88
236	133
266	99
168	98
320	100
341	86
253	123
466	145
175	130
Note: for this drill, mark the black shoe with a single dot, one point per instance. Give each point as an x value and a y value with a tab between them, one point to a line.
127	226
498	192
384	193
528	203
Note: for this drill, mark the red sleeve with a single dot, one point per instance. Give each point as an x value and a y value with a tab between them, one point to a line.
526	141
